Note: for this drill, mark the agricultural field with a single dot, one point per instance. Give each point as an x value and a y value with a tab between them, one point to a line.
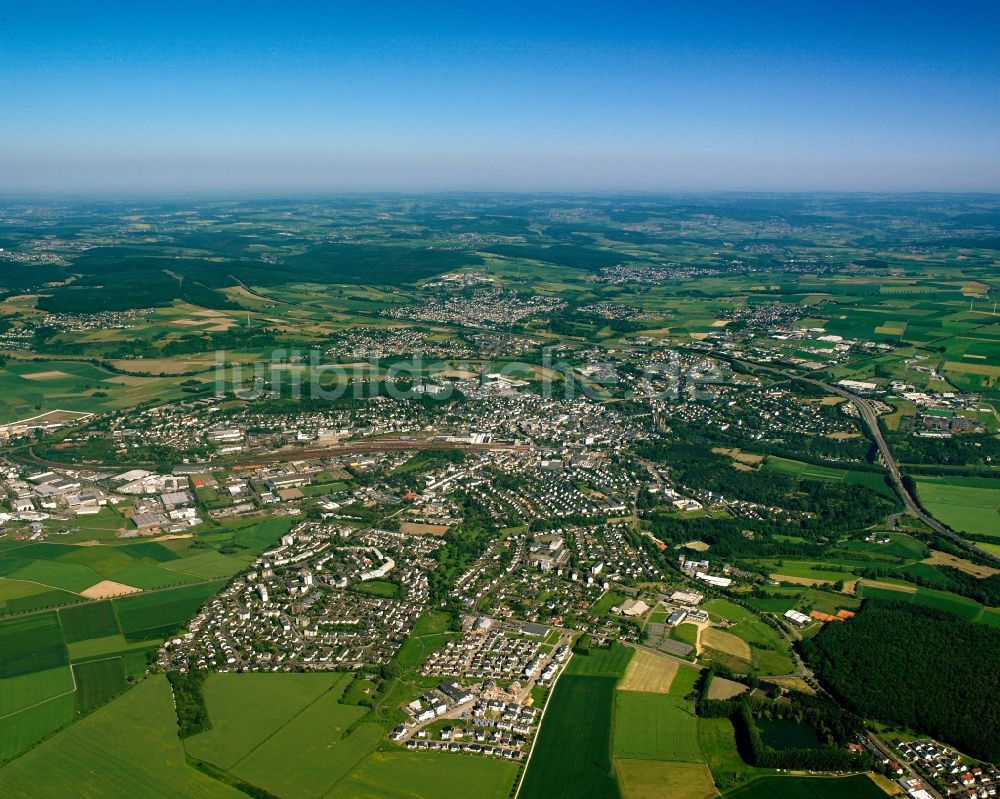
310	753
859	785
35	576
128	747
579	710
653	779
401	774
655	727
63	663
970	505
268	700
650	673
97	681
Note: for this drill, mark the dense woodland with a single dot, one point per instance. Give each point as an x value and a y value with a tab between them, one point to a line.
918	667
189	701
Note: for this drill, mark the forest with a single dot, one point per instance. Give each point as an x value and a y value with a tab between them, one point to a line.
918	667
189	701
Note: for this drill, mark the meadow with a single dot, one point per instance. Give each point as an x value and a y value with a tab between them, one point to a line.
873	480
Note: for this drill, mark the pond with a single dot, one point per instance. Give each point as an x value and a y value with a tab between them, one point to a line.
785	734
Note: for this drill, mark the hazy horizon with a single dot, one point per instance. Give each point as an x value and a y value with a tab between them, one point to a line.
240	98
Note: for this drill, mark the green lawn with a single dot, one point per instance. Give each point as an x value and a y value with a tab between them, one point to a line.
382	588
429	634
608	600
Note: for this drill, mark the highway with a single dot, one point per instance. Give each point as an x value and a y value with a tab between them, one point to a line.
870	418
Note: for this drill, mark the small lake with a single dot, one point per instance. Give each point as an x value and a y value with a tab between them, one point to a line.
785	734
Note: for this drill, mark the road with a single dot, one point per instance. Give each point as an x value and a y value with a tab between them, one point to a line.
870	418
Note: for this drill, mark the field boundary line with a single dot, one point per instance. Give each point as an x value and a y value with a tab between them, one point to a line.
44	701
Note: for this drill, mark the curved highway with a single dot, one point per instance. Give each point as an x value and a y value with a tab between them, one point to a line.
870	418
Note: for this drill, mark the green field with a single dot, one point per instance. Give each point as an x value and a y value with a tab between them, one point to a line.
129	747
684	681
655	727
608	600
382	588
717	738
857	786
73	577
965	508
148	576
807	570
92	620
429	634
160	613
21	597
306	756
97	681
25	728
808	471
33	643
571	756
248	708
942	600
427	775
17	693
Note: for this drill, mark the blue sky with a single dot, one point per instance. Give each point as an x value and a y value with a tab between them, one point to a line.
536	96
